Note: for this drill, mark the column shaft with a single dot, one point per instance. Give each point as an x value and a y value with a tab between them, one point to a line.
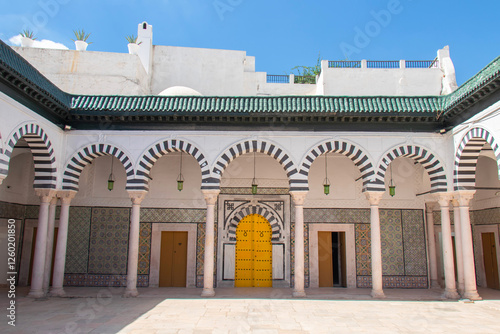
62	240
458	247
50	243
376	250
470	288
449	265
431	236
208	266
36	290
133	252
299	288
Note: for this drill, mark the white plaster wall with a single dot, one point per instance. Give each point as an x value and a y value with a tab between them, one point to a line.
89	72
18	186
384	82
486	176
208	71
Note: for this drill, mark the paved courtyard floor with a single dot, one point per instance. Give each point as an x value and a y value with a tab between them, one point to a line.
176	310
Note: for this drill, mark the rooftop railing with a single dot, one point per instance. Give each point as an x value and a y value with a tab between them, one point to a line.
344	64
304	79
271	78
384	64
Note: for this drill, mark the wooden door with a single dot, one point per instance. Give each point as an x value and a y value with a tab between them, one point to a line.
254	266
173	259
325	258
490	260
54	245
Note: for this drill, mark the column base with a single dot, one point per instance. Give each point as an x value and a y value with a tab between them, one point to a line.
435	284
451	294
378	294
57	292
208	292
298	294
472	295
130	293
36	294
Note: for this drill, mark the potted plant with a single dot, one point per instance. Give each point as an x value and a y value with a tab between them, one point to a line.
133	46
81	40
27	38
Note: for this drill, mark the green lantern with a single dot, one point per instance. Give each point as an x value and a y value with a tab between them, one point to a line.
180	178
111	183
392	190
254	187
326	186
111	178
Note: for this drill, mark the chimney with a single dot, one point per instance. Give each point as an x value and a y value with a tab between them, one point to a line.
145	37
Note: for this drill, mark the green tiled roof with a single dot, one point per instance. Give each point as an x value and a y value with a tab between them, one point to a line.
12	61
486	75
246	105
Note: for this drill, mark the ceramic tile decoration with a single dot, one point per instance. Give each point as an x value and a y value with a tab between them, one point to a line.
108	250
363	250
414	243
144	249
392	242
77	251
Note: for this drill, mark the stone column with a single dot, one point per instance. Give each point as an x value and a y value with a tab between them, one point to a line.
298	198
62	240
450	290
470	289
431	236
208	264
133	243
458	246
376	244
36	290
50	243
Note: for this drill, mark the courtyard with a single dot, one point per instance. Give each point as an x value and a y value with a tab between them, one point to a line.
264	310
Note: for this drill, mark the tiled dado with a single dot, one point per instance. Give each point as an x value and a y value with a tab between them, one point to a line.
92	280
407	282
12	211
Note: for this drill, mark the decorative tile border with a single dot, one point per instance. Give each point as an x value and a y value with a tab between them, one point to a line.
91	280
248	191
149	215
485	217
337	216
395	282
12	211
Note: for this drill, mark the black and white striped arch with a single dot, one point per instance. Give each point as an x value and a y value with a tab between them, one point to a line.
351	151
85	156
248	209
43	155
425	157
466	158
259	146
158	150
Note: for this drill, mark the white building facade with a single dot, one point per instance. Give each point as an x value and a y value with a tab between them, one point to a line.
72	124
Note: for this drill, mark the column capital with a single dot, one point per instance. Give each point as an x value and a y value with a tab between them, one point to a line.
211	196
2	177
137	196
298	197
45	195
374	197
463	197
430	206
444	199
66	196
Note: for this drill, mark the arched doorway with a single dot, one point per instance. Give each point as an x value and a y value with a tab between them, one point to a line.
254	265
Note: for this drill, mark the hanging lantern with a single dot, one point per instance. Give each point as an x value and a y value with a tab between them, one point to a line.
326	186
392	187
254	187
111	178
180	178
326	182
254	180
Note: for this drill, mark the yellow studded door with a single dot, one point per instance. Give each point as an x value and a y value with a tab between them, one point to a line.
254	258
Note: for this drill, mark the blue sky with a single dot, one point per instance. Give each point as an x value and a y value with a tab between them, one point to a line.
281	34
